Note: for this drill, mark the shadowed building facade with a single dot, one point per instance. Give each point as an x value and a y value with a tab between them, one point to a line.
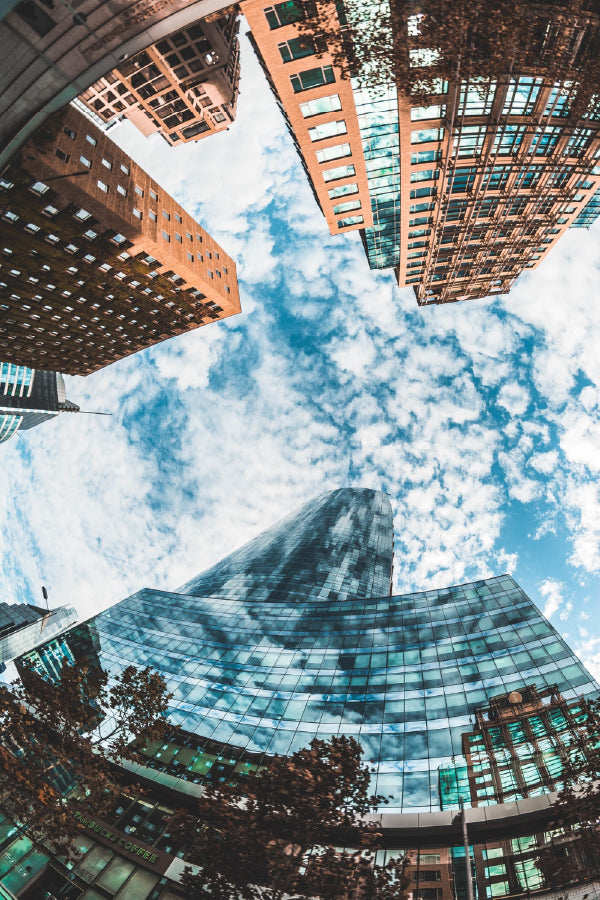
458	193
296	635
29	397
97	260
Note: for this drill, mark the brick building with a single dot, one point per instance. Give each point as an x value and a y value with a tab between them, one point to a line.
96	260
184	87
459	193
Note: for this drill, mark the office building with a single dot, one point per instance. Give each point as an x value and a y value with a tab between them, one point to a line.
297	635
97	261
184	87
50	52
29	397
459	193
24	626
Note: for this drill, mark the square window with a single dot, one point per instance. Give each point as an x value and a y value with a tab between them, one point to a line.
82	215
225	269
190	256
121	190
166	215
65	157
39	188
103	187
85	162
91	140
210	274
166	236
189	236
69	133
178	218
107	164
178	238
152	215
124	169
200	257
137	213
139	191
199	238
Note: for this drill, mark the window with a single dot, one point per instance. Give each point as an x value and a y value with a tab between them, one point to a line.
39	188
200	257
178	238
521	96
427	112
137	213
336	152
425	175
426	134
139	191
297	48
69	133
48	210
90	235
351	220
346	207
312	78
189	236
82	215
91	140
65	157
339	172
166	215
118	238
285	13
210	274
152	215
190	256
178	217
423	156
121	190
107	164
343	190
225	270
124	169
103	187
153	194
327	130
85	162
317	107
166	236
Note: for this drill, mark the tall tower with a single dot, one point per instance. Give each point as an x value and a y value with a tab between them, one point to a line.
29	397
295	636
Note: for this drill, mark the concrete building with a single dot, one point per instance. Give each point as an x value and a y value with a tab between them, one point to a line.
296	635
458	194
184	87
51	52
29	397
97	261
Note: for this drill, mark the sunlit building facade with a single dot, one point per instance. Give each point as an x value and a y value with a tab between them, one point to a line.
97	261
183	87
459	193
297	635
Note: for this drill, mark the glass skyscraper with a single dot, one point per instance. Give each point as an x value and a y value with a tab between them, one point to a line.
296	636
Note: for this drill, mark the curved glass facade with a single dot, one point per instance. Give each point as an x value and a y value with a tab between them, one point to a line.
287	639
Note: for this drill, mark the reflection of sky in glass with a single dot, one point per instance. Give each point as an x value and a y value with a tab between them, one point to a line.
266	669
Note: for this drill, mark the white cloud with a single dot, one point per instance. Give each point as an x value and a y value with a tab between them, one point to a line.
552	592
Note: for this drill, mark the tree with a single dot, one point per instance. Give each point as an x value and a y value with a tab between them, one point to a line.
573	854
413	44
279	832
60	741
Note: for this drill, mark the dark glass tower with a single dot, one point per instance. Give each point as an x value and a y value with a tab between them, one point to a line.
296	635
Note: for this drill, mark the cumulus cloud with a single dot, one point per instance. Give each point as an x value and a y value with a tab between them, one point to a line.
479	419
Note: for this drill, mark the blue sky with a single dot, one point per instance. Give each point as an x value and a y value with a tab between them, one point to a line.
480	420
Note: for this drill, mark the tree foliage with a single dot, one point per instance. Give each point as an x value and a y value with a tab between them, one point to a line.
573	854
60	740
413	44
279	832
